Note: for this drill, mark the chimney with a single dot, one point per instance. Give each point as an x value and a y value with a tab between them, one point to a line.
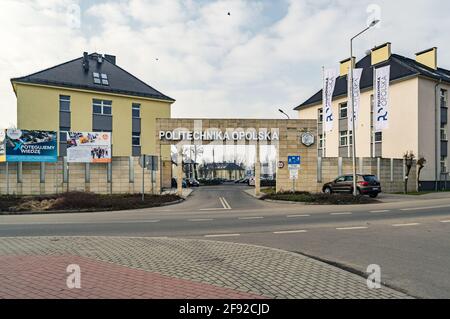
85	61
345	66
110	58
381	53
428	58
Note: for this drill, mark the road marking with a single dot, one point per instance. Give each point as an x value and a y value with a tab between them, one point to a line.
295	216
347	213
406	225
248	218
289	232
222	235
445	221
212	209
352	228
424	208
379	211
225	203
201	220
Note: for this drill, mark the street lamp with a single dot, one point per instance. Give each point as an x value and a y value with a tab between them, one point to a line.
282	112
372	24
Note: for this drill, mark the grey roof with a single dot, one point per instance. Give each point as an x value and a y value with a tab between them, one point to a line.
71	74
401	67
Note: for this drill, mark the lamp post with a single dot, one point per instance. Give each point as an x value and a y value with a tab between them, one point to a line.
372	24
282	112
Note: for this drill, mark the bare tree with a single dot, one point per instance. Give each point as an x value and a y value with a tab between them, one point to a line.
420	165
409	159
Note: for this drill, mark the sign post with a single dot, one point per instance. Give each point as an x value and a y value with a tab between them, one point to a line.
294	166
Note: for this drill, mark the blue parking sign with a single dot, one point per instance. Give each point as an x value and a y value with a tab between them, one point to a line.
294	160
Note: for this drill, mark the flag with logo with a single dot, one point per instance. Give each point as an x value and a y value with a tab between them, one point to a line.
355	99
381	98
329	82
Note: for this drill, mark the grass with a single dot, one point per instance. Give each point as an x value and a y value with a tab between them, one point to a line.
81	201
320	199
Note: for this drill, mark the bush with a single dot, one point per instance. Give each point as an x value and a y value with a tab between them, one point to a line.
327	199
210	182
83	201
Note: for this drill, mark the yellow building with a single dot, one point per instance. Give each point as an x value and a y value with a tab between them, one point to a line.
92	93
418	99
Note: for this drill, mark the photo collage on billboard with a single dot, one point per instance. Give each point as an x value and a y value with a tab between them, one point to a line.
30	146
89	147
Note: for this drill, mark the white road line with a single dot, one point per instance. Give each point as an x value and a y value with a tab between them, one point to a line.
289	232
424	208
222	235
212	209
295	216
352	228
341	213
200	220
225	203
249	218
406	225
445	221
379	211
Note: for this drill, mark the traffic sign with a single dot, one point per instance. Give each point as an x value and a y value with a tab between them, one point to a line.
293	174
294	160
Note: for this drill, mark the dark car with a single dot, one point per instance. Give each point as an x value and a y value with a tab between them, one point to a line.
366	185
193	182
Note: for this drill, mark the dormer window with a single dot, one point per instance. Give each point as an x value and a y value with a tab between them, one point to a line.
100	78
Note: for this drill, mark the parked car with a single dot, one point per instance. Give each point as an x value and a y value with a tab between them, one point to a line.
366	185
251	181
192	182
175	184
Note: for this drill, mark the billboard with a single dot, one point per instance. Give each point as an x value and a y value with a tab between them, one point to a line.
2	146
31	146
88	147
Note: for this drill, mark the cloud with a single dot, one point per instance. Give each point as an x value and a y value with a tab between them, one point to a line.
247	64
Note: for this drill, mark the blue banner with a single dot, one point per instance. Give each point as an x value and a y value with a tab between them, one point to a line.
31	146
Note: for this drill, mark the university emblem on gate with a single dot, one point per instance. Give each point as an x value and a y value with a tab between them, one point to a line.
307	139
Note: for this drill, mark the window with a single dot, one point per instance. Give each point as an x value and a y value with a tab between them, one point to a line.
100	78
63	133
378	137
343	111
136	110
102	107
320	115
444	136
64	103
321	141
444	98
136	139
443	164
345	137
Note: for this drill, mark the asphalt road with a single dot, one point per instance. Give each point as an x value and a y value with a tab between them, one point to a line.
409	239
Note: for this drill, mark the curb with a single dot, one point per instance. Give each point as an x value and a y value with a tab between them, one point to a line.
85	211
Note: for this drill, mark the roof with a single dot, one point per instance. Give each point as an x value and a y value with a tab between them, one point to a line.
72	74
225	166
401	67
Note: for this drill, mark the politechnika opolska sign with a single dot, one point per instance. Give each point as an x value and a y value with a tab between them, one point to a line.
213	135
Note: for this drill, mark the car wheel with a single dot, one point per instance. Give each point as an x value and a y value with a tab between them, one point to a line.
327	190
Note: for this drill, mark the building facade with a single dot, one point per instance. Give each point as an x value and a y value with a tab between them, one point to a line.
93	94
418	99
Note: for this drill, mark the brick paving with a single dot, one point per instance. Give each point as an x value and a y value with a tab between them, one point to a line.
119	267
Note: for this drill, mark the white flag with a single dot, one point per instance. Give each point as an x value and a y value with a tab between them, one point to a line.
357	73
381	98
329	82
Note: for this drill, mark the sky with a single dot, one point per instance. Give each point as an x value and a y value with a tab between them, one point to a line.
218	59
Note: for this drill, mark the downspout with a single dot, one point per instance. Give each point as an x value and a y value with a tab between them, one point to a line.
437	131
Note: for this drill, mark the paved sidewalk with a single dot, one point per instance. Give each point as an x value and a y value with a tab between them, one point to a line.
116	267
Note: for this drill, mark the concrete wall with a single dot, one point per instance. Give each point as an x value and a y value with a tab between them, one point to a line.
390	172
126	177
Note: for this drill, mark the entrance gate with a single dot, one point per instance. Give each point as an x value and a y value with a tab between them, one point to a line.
289	137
